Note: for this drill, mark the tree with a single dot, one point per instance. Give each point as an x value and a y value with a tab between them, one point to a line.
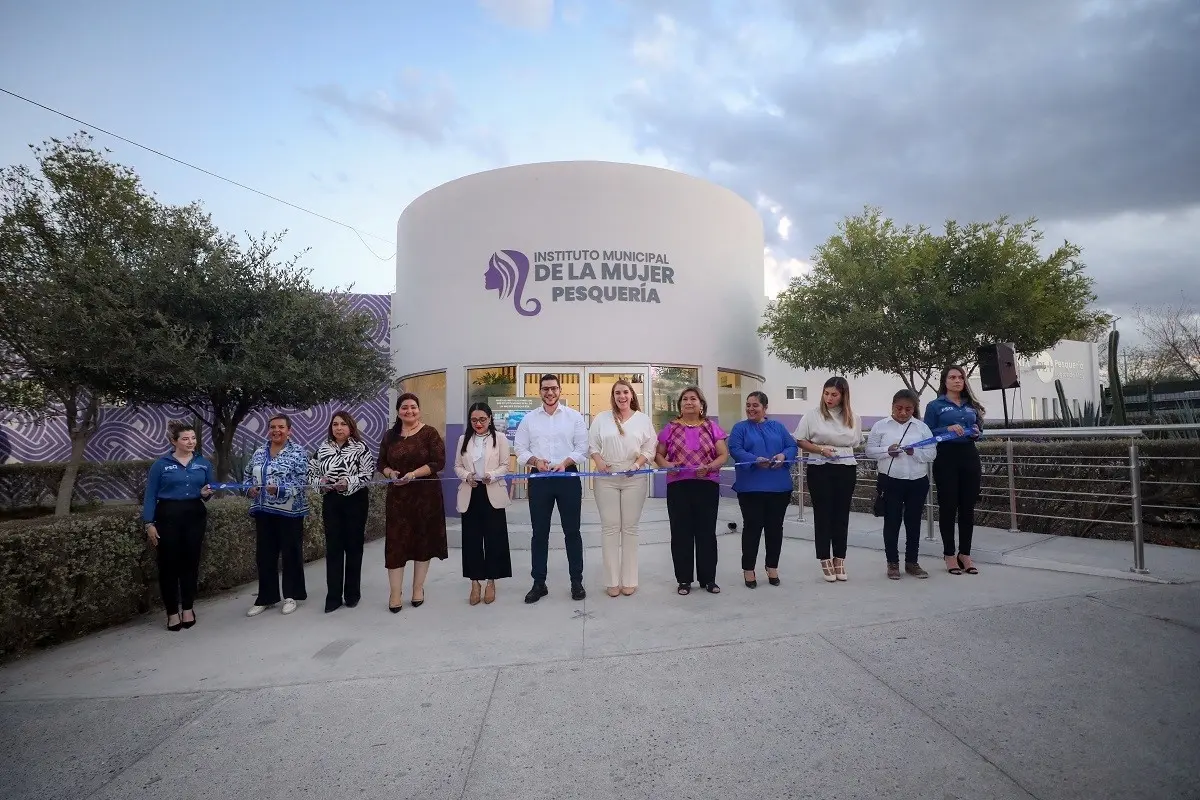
69	239
248	332
909	302
1172	341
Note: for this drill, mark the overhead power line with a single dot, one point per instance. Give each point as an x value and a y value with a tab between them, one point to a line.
210	173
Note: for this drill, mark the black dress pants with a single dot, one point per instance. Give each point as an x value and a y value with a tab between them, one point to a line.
565	491
957	474
831	487
276	536
762	517
903	501
485	551
692	510
180	525
345	518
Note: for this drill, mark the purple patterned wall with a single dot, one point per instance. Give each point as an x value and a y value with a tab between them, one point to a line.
131	433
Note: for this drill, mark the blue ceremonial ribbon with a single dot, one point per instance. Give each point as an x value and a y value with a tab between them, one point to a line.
933	440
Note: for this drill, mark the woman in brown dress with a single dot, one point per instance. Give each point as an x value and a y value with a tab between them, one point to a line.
416	514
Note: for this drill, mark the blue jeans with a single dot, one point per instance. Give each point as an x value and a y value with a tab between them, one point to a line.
544	494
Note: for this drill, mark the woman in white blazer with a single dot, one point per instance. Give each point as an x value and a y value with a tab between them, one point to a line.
482	463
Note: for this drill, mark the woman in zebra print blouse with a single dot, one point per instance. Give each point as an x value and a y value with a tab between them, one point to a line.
340	470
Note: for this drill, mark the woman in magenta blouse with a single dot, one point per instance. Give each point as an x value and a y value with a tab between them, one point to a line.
695	445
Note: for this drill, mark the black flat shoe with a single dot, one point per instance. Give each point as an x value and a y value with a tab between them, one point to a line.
712	588
351	603
187	623
578	592
538	591
178	626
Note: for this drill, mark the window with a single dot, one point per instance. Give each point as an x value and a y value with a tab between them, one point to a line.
732	388
666	383
487	382
430	389
797	393
1033	408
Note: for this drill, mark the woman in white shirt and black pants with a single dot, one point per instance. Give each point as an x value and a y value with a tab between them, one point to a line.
829	435
621	440
904	479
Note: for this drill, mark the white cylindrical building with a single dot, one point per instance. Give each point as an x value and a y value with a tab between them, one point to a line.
588	270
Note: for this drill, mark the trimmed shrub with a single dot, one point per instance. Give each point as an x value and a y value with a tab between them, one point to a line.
62	577
26	486
1082	488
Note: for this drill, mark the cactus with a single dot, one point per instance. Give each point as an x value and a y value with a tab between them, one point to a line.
1114	383
1062	403
1090	418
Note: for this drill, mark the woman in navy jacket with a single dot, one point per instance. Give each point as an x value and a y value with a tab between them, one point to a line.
956	470
764	449
175	518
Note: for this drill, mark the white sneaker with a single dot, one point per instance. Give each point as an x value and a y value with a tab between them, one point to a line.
289	605
256	610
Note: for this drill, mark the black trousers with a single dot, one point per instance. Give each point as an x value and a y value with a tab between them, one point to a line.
692	510
544	494
831	487
180	525
762	517
903	501
485	552
276	536
957	474
345	518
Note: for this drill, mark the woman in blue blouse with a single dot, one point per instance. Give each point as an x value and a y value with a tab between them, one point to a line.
956	470
175	518
278	478
763	449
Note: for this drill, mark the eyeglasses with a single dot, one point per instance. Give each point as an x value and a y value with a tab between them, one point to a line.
551	389
479	420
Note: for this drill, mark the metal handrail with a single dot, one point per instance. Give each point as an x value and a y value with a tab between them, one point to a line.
1130	468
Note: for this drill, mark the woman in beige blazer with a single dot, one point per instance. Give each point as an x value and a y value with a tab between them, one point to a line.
482	463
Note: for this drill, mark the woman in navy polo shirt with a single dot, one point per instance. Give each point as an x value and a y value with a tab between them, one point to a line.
956	470
175	518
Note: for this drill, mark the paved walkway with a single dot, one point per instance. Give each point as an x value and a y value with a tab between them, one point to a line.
1054	673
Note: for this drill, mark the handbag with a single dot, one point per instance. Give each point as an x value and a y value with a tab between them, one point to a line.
879	490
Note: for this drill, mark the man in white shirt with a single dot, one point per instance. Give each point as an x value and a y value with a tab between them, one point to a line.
554	438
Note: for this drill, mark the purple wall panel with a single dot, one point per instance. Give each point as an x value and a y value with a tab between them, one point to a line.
131	433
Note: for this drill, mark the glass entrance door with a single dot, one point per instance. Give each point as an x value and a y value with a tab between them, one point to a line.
588	391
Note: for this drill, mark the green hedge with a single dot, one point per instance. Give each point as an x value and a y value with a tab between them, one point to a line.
66	576
25	486
1093	476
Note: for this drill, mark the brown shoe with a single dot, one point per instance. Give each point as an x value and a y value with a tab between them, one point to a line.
915	570
893	572
489	593
474	598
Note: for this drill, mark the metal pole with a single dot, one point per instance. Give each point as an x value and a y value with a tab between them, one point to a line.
1135	495
800	483
929	504
1012	488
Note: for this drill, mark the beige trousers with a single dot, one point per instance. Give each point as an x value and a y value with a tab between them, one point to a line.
619	501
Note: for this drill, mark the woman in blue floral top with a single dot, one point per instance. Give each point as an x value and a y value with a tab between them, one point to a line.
278	472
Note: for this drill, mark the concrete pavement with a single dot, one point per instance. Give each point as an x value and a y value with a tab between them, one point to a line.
1067	681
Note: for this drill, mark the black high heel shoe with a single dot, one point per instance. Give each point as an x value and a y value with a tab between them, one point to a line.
751	583
187	623
773	581
178	626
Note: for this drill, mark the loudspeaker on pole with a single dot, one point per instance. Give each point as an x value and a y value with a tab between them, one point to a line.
998	367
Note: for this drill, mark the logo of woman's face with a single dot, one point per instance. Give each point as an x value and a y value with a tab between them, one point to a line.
507	272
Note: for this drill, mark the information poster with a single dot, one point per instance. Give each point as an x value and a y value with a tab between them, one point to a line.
509	411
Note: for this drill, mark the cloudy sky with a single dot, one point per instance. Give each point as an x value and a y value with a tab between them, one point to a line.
1082	113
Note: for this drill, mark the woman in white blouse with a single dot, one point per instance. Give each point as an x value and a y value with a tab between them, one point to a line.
619	441
829	435
481	464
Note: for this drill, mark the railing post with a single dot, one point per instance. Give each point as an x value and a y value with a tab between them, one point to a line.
1135	495
800	484
929	504
1012	488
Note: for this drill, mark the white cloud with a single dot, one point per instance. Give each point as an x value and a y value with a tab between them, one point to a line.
779	271
658	49
534	15
784	227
